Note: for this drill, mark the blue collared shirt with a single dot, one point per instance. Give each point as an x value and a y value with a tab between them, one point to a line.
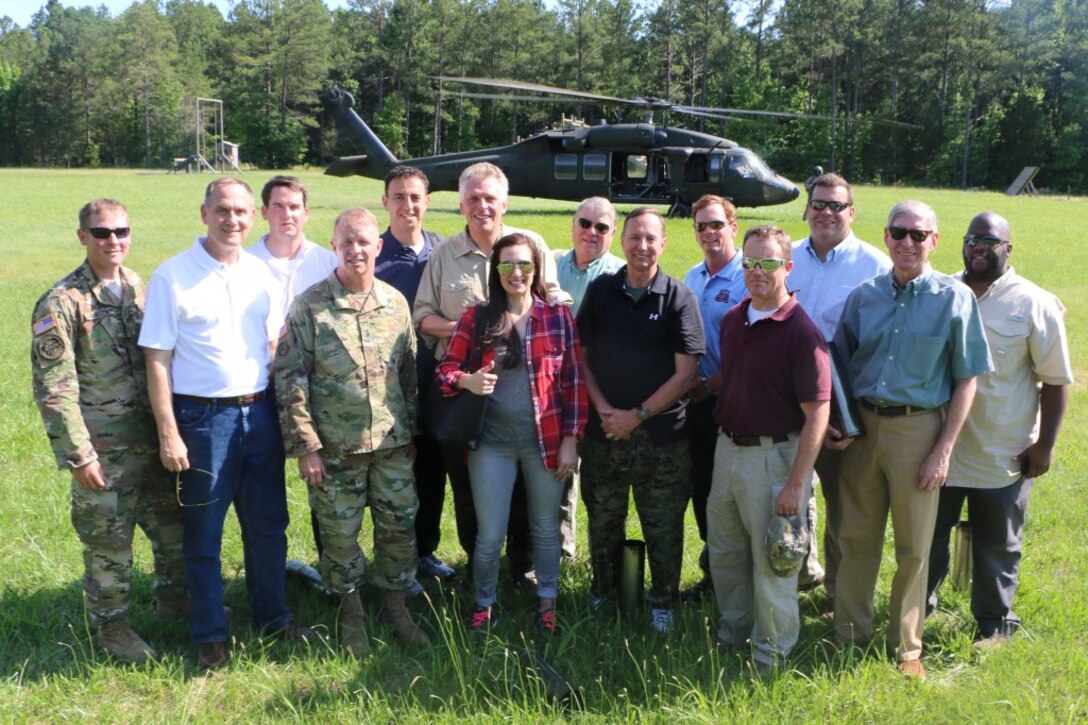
717	294
905	346
575	281
822	287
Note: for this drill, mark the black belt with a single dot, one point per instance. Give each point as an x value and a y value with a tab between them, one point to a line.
236	400
751	441
892	411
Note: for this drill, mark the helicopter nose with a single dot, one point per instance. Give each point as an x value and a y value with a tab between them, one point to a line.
779	190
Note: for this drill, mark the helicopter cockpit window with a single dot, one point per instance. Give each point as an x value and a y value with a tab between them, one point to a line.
566	167
715	169
747	164
594	167
637	166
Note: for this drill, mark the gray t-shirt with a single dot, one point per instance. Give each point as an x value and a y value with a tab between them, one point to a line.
510	420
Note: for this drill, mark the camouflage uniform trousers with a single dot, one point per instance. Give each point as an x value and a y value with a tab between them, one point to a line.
140	494
383	480
659	478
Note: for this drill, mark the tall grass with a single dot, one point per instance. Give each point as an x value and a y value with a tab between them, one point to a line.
621	669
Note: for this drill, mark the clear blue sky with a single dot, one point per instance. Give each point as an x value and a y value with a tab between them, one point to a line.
21	10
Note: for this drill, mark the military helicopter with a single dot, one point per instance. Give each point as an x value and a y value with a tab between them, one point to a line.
635	163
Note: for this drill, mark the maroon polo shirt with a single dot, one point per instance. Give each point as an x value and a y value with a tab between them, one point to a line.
769	369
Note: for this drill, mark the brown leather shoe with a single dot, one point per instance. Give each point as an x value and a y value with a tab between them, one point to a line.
913	669
211	655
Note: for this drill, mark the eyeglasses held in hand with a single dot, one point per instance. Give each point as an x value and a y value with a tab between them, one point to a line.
105	232
599	227
916	235
973	240
835	206
716	225
768	264
177	490
507	268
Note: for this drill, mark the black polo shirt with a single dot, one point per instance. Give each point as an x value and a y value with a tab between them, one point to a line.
631	346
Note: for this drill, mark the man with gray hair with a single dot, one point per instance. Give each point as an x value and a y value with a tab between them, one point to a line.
456	279
592	232
913	345
1008	439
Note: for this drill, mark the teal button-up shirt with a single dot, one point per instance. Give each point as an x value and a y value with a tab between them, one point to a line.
905	346
575	281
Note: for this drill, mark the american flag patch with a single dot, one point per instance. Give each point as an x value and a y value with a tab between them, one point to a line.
45	324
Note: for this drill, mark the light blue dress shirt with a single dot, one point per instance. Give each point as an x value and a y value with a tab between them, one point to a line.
822	287
575	281
717	294
905	346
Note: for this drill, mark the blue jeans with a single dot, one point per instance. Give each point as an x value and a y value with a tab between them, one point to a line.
235	456
493	469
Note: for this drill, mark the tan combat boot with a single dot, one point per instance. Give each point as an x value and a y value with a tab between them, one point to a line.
396	615
116	637
353	626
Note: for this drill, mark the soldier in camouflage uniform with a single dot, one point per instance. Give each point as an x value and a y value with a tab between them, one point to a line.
91	388
345	378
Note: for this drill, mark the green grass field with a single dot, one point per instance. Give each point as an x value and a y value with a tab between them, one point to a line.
49	670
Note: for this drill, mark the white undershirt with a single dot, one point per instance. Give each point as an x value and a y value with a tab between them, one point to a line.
755	315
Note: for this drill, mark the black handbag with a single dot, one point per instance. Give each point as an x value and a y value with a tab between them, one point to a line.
457	420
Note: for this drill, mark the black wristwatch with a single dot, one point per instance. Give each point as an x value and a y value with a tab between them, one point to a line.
643	414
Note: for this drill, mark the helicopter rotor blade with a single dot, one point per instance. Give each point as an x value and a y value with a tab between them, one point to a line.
535	87
501	97
715	116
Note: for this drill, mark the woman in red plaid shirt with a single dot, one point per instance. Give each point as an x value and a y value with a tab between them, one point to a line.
528	361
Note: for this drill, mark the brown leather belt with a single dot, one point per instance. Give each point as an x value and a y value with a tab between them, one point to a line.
892	411
235	400
752	441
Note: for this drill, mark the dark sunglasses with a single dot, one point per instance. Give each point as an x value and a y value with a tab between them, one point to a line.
769	264
916	235
835	206
599	227
716	225
105	232
507	268
973	240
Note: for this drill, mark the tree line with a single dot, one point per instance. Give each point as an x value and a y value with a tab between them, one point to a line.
988	87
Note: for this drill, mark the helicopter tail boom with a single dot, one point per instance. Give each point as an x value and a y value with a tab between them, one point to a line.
377	160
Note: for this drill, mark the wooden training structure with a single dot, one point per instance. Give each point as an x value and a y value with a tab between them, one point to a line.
1023	182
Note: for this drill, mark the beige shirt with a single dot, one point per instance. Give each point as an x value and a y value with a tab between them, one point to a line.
1025	329
456	278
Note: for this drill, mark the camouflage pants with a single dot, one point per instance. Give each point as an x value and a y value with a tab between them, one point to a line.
384	481
659	479
140	494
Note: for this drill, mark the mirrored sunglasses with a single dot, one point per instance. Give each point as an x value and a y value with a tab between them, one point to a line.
716	225
507	268
835	206
768	264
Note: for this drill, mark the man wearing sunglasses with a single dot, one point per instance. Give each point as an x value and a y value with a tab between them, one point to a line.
592	231
772	411
718	284
213	316
827	265
1008	439
91	389
913	344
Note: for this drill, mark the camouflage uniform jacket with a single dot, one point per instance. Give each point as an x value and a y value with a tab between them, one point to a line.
90	382
345	377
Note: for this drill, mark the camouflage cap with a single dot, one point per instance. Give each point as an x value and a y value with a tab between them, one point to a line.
787	544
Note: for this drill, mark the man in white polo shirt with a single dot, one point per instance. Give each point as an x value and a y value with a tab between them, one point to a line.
212	317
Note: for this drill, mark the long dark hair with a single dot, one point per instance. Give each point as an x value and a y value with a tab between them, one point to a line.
491	316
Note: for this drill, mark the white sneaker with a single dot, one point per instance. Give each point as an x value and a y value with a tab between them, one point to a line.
661	620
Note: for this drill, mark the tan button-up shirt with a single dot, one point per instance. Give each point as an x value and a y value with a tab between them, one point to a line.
456	278
1025	329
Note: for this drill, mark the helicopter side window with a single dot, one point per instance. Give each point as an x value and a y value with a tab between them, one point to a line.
594	167
748	165
566	167
715	168
637	166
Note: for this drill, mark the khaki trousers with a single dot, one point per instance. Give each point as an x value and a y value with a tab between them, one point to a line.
880	474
